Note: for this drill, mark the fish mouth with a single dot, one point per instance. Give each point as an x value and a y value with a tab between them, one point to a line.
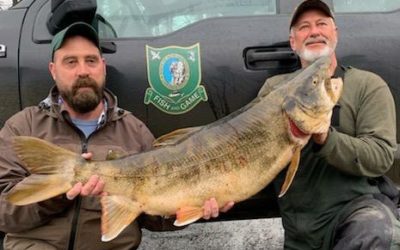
296	131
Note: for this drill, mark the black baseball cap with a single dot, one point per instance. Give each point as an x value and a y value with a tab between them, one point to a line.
308	5
76	29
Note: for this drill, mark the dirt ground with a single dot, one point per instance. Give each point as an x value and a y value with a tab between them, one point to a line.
266	234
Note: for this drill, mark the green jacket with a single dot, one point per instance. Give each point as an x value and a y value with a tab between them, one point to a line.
329	177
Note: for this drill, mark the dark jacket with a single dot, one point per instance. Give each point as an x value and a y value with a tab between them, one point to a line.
361	146
52	224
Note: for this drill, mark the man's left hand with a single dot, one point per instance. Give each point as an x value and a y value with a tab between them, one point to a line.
211	209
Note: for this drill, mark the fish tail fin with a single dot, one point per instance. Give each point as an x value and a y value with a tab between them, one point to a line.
51	168
187	215
117	213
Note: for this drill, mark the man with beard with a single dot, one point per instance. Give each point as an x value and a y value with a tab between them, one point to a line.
339	198
81	115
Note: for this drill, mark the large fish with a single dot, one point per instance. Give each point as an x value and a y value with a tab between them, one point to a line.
230	159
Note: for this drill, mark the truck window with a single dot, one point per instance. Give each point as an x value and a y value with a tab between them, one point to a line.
148	18
5	4
348	6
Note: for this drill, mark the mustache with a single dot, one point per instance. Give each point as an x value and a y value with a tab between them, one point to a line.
311	40
84	82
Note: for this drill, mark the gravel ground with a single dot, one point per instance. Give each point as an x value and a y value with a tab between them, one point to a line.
266	234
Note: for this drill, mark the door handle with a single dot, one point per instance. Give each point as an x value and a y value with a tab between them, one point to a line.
3	50
275	57
256	56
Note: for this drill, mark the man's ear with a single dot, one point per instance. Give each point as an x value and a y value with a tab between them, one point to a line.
52	70
292	44
337	32
104	65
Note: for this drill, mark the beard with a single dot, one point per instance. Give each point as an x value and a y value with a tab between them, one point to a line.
311	56
83	101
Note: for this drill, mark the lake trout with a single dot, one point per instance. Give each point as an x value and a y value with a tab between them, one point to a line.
231	159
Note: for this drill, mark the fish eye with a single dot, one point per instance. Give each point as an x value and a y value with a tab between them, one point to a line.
314	80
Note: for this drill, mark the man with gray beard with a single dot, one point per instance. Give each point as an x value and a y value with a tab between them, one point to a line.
340	198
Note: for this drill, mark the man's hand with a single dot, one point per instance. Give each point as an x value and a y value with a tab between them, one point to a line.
320	138
211	209
94	186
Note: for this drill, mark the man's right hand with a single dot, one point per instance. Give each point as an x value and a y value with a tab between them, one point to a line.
320	138
94	186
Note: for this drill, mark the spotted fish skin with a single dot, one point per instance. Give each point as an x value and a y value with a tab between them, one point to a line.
230	159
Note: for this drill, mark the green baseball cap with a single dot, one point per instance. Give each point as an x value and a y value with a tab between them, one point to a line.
75	29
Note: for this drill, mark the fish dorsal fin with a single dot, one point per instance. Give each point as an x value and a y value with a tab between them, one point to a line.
175	136
291	172
117	213
187	215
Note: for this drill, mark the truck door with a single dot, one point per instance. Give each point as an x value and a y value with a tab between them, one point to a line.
235	45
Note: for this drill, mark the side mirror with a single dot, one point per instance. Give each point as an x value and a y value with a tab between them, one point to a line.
65	12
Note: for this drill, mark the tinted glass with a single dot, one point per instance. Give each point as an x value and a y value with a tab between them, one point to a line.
147	18
5	4
365	5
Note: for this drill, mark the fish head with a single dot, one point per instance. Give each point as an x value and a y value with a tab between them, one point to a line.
310	99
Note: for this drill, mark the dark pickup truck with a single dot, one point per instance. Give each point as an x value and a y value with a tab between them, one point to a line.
236	45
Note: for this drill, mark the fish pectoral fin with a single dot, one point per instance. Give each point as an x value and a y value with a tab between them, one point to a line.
174	137
291	172
187	215
334	88
37	188
117	213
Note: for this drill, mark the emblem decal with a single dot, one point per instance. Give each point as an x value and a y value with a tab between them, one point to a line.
174	75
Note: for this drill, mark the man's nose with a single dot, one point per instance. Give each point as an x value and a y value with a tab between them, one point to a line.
314	31
82	69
